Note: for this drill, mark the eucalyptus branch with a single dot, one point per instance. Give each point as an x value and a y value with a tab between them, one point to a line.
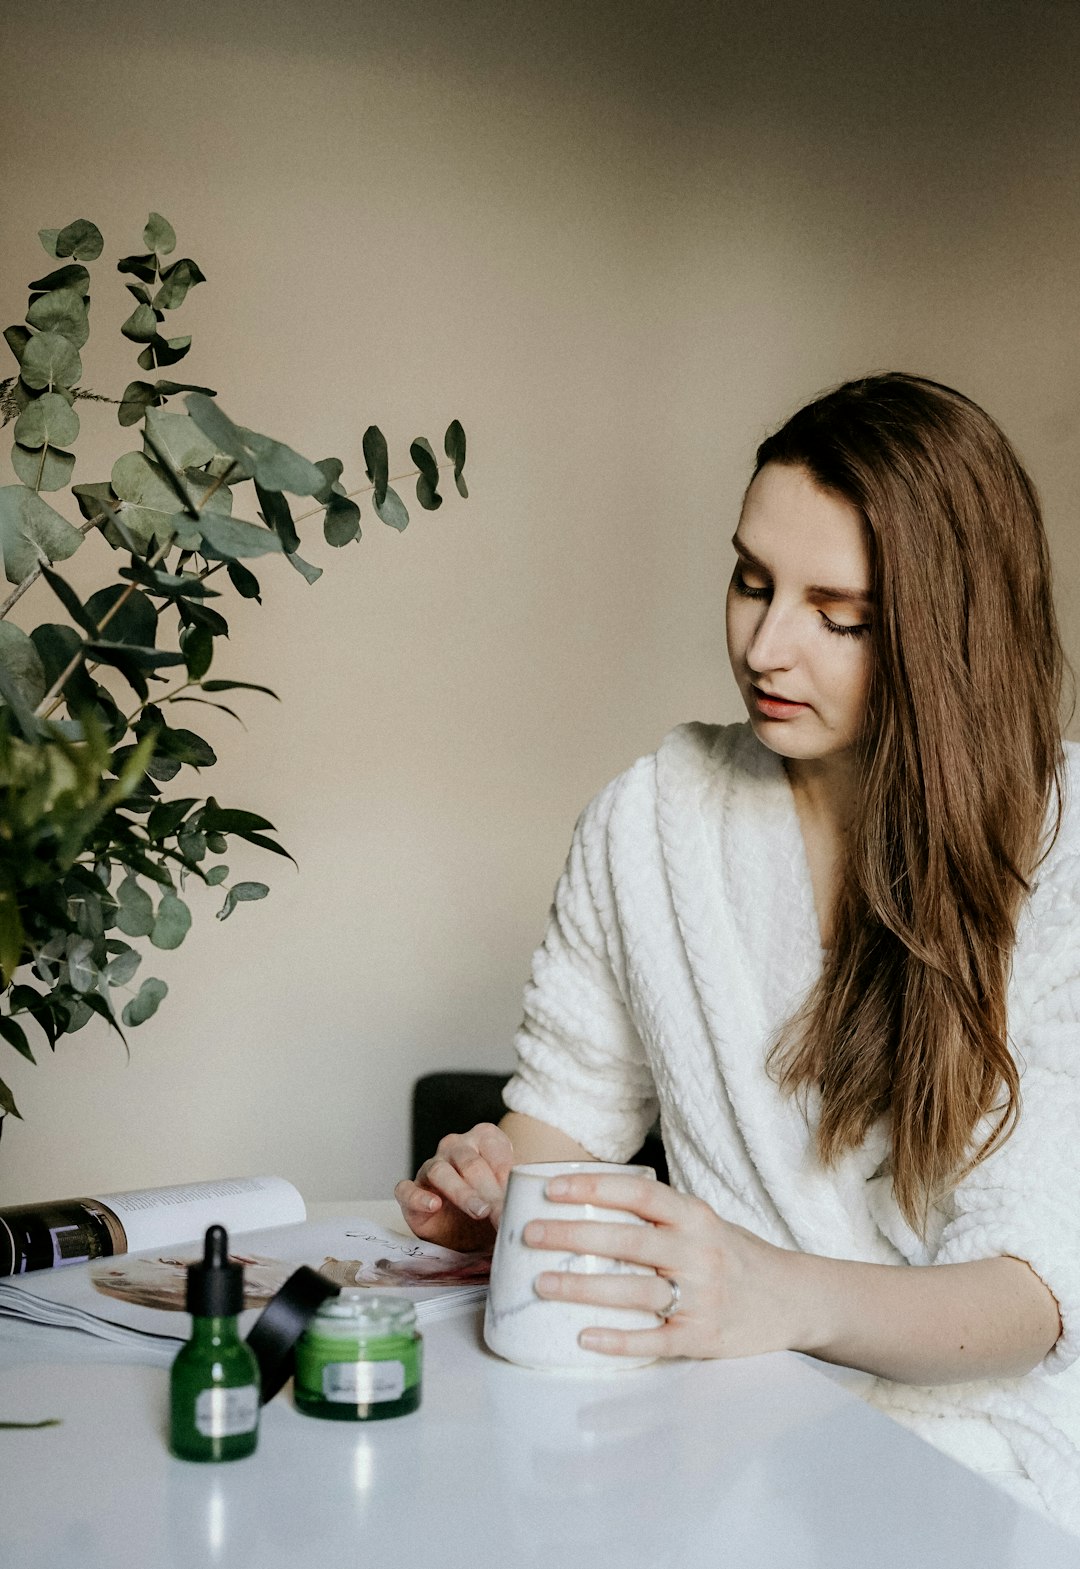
72	817
362	490
54	696
31	578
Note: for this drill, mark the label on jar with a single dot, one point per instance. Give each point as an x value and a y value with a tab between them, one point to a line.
223	1413
362	1383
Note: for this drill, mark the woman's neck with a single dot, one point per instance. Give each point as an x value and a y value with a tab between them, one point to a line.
825	791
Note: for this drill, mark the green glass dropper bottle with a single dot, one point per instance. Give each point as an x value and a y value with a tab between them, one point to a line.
214	1386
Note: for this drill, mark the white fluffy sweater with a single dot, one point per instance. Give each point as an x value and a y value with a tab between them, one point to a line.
682	935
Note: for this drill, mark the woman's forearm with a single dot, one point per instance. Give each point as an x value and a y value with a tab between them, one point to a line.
536	1140
938	1324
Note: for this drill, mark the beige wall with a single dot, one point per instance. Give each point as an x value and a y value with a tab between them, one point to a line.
619	242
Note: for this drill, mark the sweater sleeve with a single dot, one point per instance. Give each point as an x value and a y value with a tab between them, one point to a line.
1024	1200
581	1065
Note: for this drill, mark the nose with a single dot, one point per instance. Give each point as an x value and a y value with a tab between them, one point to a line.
772	646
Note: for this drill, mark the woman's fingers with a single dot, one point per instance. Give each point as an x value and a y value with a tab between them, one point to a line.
635	1244
618	1291
470	1170
497	1150
653	1201
434	1219
414	1200
457	1196
471	1190
646	1293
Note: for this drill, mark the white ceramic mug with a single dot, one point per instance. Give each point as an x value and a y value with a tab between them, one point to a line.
540	1332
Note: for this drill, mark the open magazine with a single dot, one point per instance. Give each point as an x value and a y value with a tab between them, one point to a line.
70	1231
137	1298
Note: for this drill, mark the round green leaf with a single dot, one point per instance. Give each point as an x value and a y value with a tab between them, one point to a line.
141	326
186	747
146	1004
179	439
135	915
377	461
192	845
50	420
48	238
341	524
16	339
63	311
136	479
232	537
240	893
278	467
82	971
49	360
216	874
22	664
138	397
81	240
31	531
175	283
331	468
69	277
392	510
78	1018
172	924
163	768
135	622
45	469
163	351
198	646
57	645
120	969
427	483
159	235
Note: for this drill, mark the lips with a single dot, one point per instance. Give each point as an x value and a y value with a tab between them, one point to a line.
775	707
773	697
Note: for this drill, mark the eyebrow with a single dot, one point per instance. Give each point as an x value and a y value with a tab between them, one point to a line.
855	596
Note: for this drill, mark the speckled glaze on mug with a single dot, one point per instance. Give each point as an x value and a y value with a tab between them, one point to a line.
535	1331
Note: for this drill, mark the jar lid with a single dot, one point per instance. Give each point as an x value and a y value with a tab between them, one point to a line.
357	1311
279	1326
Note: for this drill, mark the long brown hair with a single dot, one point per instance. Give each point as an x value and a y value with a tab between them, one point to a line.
958	760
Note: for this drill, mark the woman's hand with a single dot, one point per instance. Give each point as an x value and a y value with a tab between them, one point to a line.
457	1197
736	1292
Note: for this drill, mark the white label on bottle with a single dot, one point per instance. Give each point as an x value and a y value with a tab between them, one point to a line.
223	1413
360	1383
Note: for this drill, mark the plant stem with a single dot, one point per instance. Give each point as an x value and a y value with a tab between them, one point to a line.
129	721
395	479
54	696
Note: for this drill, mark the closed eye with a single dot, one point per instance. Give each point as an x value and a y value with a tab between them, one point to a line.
742	587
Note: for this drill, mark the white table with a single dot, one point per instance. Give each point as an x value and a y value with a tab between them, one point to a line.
760	1462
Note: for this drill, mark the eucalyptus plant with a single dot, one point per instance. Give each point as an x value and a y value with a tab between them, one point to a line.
92	851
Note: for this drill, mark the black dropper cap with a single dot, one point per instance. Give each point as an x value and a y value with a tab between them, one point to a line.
215	1287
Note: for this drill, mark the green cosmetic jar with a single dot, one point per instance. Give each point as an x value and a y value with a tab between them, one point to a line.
359	1359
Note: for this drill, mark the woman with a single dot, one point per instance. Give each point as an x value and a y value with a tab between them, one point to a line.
839	948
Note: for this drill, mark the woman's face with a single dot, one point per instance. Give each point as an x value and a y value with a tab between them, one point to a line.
798	615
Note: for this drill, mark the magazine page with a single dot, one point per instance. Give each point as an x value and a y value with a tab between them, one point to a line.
163	1217
70	1231
143	1294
